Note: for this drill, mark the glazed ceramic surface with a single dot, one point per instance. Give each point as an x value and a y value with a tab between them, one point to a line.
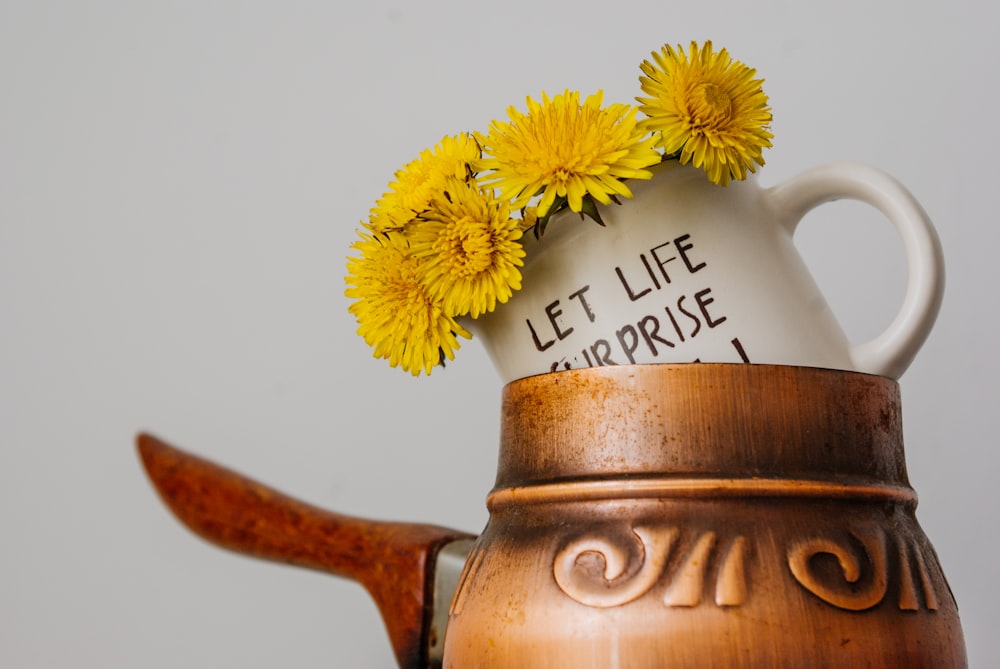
689	271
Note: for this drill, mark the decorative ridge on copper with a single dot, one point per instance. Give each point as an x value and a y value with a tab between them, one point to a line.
714	488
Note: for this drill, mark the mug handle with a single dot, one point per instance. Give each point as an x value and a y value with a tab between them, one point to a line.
890	353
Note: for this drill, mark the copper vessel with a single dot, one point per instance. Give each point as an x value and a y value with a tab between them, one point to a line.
703	515
649	516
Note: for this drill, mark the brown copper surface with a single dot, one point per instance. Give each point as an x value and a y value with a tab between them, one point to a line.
703	516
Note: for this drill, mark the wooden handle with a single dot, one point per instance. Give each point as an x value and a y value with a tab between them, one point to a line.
393	561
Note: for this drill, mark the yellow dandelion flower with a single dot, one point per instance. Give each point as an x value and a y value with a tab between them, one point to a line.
396	315
420	179
564	149
708	108
468	248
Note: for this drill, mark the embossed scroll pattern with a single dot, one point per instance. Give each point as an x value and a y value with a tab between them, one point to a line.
607	571
601	572
864	575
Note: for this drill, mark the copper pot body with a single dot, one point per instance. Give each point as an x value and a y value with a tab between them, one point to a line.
703	515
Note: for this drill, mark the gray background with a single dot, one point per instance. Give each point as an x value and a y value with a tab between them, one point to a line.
180	181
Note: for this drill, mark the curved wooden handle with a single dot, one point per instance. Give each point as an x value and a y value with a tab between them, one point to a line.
393	561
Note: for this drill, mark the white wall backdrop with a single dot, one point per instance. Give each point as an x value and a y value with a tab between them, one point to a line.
180	181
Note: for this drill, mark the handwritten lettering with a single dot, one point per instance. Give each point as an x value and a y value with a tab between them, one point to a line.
647	334
632	295
553	311
682	249
681	245
701	297
650	335
534	336
679	318
583	302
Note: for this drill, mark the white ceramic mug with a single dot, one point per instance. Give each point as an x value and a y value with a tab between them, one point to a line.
689	271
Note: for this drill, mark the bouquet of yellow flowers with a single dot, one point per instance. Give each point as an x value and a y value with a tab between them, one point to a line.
443	243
